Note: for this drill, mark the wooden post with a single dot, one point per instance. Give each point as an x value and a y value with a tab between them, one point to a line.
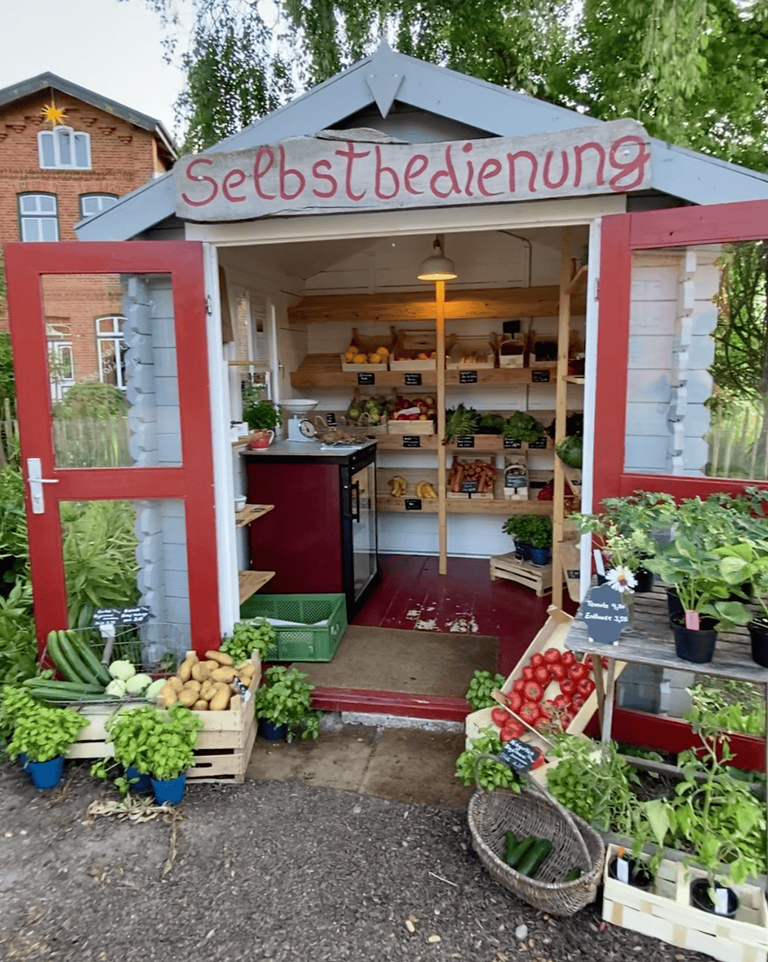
442	525
561	411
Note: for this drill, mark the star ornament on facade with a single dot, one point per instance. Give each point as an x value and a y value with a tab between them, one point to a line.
621	579
53	114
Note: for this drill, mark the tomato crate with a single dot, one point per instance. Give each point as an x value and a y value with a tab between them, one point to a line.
307	627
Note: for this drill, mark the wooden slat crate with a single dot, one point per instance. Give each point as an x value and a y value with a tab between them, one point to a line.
224	748
665	913
536	577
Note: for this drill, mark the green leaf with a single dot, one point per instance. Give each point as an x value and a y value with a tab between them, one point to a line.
658	819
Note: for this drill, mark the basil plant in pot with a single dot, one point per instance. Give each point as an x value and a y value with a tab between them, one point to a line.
282	702
532	534
261	414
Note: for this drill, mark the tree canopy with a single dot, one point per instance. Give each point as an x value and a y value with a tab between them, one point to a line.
694	72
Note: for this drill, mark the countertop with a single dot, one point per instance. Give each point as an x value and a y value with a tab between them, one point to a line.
299	450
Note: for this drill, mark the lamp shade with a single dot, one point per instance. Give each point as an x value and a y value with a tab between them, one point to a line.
437	267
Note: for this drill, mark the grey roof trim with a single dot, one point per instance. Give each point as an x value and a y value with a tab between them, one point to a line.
702	179
44	80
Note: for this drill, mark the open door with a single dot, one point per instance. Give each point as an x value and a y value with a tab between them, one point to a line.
117	461
682	368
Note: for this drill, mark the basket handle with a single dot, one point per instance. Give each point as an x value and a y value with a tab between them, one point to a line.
584	851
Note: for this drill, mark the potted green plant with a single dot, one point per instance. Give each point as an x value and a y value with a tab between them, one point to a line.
157	742
282	703
261	414
41	736
532	534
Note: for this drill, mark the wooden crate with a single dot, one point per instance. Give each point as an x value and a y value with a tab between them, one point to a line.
510	568
511	351
665	913
410	427
368	345
409	344
459	347
224	747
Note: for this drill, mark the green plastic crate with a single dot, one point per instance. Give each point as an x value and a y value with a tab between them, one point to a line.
308	641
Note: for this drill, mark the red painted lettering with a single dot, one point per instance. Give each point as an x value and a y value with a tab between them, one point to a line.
490	168
384	170
316	173
258	173
578	150
233	178
470	171
450	173
547	161
289	172
197	178
351	154
635	165
411	174
511	158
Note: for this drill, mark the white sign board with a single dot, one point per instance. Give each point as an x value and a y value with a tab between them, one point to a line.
308	175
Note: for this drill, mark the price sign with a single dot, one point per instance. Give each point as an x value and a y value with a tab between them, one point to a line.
514	443
518	755
469	487
413	379
604	614
540	444
330	419
467	377
573	574
540	377
120	616
413	504
411	441
465	441
366	377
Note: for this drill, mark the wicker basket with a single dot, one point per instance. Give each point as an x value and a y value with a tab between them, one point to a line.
533	812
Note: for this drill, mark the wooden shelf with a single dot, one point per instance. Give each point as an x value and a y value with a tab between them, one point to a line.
497	506
574	378
249	582
251	512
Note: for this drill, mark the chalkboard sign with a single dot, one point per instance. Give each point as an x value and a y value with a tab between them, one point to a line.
573	574
518	755
366	377
469	487
413	379
413	504
539	377
330	419
539	444
467	377
514	443
604	614
411	441
120	616
465	441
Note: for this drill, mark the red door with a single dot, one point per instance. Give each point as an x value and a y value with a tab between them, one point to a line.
681	368
110	355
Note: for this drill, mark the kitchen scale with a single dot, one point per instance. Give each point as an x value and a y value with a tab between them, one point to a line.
299	427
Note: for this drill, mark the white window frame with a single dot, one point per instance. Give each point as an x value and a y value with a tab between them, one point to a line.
103	201
37	216
58	350
57	137
113	336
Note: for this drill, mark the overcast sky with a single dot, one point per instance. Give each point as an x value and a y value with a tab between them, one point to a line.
111	48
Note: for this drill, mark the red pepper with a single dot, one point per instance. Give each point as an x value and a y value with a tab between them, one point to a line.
585	687
552	656
537	659
558	671
568	658
568	686
542	676
578	671
515	701
528	672
533	692
529	712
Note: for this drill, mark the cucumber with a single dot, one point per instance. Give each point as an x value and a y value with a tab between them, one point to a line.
519	851
509	843
531	862
59	659
71	656
573	875
89	659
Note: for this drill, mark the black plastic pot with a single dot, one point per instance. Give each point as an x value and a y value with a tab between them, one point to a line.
271	732
674	605
644	579
700	898
639	876
758	633
523	551
694	645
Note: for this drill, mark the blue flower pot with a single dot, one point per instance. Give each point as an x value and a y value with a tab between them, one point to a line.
171	790
144	783
45	774
271	732
539	556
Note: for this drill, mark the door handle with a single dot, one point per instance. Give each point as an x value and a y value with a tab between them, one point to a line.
36	482
356	507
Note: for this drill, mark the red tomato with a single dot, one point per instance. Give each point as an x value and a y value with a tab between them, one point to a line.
499	716
541	760
515	701
578	671
542	675
533	691
518	686
505	735
568	658
568	686
552	656
588	662
558	671
544	708
528	672
585	687
566	718
562	701
577	702
514	728
529	712
537	659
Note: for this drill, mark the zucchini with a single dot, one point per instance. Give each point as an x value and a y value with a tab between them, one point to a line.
519	851
536	854
509	843
573	875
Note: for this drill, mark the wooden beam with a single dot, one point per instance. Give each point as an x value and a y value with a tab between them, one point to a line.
442	521
561	410
494	303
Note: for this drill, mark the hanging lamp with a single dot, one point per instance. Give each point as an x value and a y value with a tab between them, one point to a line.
437	267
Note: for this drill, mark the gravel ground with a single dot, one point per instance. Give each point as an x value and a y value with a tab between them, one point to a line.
271	872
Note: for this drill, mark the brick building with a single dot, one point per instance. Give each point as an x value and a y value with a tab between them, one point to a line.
67	153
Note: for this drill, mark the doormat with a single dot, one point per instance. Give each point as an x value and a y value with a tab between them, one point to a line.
413	662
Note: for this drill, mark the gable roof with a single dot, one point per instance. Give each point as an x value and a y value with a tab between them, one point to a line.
44	81
387	76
